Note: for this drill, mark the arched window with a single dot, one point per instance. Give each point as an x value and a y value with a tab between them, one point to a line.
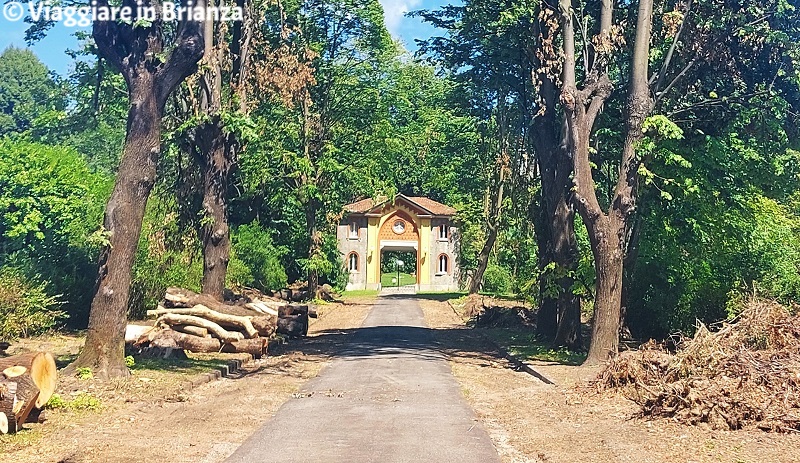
443	264
352	262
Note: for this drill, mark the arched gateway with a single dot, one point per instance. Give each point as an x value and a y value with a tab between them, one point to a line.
413	224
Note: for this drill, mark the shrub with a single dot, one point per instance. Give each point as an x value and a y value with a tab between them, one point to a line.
255	259
25	308
497	280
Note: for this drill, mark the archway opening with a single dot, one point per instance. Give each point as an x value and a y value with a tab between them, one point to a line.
399	267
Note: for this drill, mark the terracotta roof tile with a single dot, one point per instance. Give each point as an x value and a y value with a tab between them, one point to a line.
434	207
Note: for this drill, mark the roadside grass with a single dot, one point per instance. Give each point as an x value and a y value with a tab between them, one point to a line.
360	293
437	296
405	279
524	345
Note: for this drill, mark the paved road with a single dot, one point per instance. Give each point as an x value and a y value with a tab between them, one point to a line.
388	397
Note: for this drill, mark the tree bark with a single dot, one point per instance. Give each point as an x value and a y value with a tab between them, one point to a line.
314	246
215	231
607	231
134	50
483	260
104	350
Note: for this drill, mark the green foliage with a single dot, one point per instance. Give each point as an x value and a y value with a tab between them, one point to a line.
25	307
84	401
256	260
497	280
27	90
51	205
168	255
84	373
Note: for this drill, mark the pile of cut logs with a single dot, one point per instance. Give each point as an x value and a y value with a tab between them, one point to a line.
27	382
199	323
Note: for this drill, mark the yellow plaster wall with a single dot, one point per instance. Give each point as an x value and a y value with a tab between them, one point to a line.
373	256
424	246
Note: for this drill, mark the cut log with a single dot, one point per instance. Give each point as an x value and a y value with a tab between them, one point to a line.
263	324
37	415
175	340
264	308
39	381
213	328
8	394
134	332
225	320
184	299
256	347
293	309
13	372
293	326
189	329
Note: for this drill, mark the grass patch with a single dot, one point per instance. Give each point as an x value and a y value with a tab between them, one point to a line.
526	346
360	293
443	296
184	366
405	279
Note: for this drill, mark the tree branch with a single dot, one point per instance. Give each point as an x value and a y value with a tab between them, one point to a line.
182	61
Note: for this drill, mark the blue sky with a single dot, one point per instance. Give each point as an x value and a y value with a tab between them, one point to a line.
51	50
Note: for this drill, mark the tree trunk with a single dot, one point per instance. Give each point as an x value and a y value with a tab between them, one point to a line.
607	231
135	50
216	158
608	254
558	320
104	350
215	232
483	260
314	247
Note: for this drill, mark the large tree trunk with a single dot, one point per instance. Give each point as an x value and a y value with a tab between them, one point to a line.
559	314
215	230
104	350
565	256
136	51
607	231
608	252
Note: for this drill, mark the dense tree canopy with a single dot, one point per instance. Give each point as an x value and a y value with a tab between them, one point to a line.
659	149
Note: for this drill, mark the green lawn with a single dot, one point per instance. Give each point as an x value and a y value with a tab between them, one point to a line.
524	345
405	279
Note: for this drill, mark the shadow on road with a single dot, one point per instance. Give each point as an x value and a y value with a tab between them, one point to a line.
387	341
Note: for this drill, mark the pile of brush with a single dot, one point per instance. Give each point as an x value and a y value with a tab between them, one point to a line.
745	373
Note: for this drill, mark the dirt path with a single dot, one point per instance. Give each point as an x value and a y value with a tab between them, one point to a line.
204	425
388	396
532	422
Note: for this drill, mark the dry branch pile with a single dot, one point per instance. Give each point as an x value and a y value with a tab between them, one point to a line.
27	381
199	323
747	372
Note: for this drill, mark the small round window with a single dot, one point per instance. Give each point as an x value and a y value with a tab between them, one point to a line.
399	227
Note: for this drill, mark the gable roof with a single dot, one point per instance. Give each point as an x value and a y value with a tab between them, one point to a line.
426	205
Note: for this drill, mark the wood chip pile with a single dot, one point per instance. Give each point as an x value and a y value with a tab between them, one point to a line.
747	373
198	323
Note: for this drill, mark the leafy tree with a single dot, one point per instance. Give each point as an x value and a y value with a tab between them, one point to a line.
27	90
50	208
136	51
